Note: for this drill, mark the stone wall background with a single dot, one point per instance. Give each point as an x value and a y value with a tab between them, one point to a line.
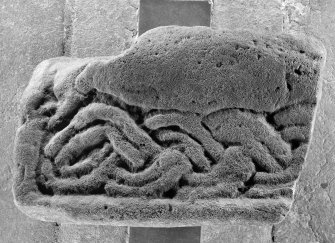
31	31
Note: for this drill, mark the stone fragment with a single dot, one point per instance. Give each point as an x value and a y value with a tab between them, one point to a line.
111	140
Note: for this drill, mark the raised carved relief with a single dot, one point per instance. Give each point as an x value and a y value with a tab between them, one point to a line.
188	126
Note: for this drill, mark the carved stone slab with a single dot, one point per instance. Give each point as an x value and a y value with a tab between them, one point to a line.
188	126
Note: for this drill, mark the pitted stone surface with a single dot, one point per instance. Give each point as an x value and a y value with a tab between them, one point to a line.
189	125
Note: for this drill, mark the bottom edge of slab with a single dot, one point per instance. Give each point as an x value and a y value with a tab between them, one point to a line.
102	210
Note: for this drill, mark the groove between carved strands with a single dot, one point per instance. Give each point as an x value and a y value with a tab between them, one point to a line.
105	146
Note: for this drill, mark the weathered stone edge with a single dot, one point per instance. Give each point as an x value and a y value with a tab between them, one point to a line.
103	210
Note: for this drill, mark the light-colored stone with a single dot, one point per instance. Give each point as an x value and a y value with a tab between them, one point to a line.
30	31
16	227
27	38
254	15
312	218
92	233
177	51
296	14
236	233
100	27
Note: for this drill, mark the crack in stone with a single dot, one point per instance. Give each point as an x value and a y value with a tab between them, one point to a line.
133	30
311	226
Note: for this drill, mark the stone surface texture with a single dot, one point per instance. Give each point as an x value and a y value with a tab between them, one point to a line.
255	15
205	142
236	233
26	40
312	218
70	233
99	27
